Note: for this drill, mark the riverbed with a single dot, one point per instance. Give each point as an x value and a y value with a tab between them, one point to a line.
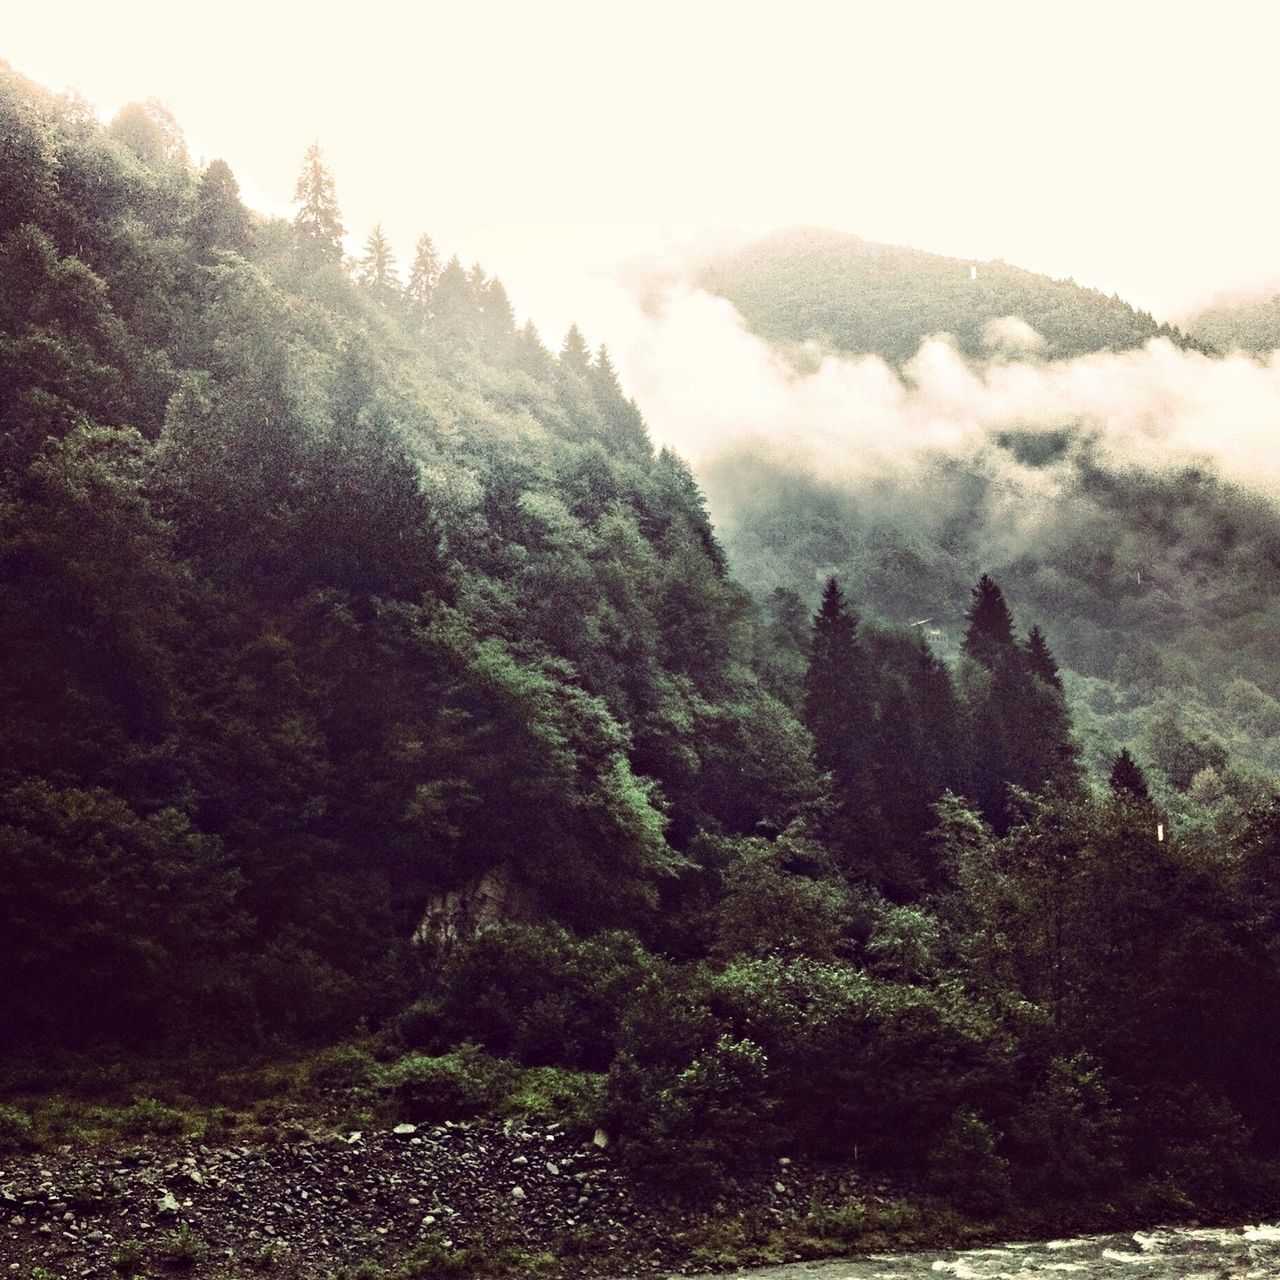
1182	1253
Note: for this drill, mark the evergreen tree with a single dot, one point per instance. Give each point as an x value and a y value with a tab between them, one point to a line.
318	222
455	314
1127	778
497	320
1040	660
828	681
423	276
378	267
989	638
574	356
532	355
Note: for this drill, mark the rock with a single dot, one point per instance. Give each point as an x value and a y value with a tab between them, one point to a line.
167	1204
517	1193
600	1140
354	1136
521	1160
553	1169
405	1130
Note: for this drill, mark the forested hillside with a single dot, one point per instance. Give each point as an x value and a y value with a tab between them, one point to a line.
325	590
862	298
1249	324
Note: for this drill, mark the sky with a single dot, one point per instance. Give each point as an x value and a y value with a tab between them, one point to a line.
1130	146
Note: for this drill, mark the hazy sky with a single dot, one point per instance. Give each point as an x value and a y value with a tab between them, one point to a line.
1130	145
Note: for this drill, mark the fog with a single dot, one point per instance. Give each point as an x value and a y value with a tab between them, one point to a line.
709	387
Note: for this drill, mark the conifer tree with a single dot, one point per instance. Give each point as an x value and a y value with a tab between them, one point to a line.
828	682
532	355
378	266
989	638
1127	779
497	319
423	276
1040	660
574	355
456	315
318	222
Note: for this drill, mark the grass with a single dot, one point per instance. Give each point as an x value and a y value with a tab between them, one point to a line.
343	1087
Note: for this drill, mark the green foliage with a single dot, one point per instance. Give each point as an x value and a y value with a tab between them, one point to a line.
15	1129
811	285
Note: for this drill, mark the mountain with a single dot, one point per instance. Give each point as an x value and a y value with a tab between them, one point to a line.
1249	324
857	297
384	738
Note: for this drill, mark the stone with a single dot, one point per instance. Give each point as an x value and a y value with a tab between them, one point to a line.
167	1205
517	1193
405	1130
600	1140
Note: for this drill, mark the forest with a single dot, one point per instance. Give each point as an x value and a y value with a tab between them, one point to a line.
326	590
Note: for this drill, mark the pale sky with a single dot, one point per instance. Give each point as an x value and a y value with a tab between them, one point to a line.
1132	146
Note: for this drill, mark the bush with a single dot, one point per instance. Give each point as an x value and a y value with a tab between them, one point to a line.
149	1116
15	1129
537	993
455	1086
966	1169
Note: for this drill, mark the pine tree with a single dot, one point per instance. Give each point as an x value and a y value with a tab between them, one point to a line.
574	356
532	355
318	222
1127	779
424	275
497	319
989	638
455	313
378	267
623	420
1040	660
828	680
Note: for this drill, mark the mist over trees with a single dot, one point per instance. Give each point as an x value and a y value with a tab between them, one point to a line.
325	590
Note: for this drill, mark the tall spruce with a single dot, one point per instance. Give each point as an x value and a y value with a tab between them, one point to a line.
829	680
989	638
318	222
1127	779
378	267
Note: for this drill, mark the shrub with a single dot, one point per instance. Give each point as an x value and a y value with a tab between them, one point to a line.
15	1129
537	993
466	1082
150	1116
965	1167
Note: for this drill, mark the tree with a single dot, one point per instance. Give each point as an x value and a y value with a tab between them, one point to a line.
318	222
378	267
989	638
423	276
455	313
1040	660
828	680
220	220
1127	779
574	356
149	130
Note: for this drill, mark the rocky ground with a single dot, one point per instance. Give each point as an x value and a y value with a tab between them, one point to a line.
544	1200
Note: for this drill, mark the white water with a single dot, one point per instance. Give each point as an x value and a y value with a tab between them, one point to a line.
1175	1253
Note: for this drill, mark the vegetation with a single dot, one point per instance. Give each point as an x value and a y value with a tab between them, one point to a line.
861	298
323	597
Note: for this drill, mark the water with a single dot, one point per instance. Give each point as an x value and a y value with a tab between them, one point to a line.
1159	1254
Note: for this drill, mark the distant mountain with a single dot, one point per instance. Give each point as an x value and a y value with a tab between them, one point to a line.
862	298
1239	324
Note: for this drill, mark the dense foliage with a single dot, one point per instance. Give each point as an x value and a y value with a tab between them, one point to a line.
324	596
857	297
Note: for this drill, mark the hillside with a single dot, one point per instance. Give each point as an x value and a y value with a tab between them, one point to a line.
385	743
1249	324
856	297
